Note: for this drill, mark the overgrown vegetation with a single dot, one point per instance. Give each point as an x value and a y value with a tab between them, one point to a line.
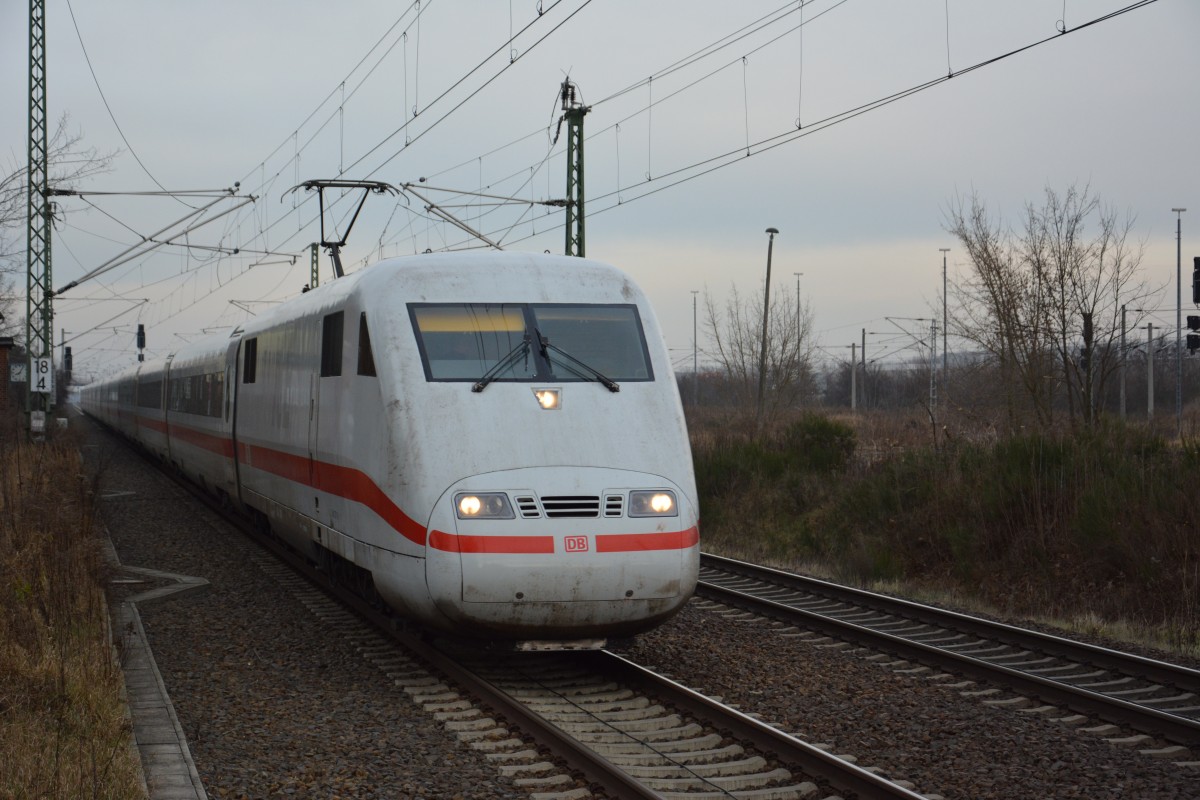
63	729
1100	524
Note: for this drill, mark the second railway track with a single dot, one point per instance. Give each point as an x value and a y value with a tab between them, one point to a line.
1153	697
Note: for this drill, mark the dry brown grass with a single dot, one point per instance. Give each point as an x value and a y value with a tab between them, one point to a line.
63	728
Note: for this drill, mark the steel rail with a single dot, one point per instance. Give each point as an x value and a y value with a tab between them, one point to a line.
1172	727
1149	668
842	775
597	769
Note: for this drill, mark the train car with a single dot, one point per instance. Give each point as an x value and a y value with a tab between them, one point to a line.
199	414
492	443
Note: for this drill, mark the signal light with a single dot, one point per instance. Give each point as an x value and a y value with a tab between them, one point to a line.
1193	342
1196	280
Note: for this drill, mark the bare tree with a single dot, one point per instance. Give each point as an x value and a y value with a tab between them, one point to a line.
735	337
1046	303
70	163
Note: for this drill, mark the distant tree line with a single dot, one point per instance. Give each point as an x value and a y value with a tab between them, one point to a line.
1039	306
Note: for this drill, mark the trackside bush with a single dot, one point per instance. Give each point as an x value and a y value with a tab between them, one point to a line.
1099	522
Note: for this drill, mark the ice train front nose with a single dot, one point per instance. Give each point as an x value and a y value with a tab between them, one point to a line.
568	552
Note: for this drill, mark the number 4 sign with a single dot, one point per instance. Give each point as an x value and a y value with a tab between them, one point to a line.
43	375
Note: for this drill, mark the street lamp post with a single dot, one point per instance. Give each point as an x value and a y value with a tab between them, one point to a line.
1178	321
762	351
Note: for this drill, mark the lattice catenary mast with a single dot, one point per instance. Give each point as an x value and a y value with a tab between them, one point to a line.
39	312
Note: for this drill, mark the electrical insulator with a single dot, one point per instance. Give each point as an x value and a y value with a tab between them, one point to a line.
141	336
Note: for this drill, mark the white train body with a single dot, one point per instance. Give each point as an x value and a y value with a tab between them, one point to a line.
438	422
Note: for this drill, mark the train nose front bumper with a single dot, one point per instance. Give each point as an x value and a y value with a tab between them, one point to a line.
571	557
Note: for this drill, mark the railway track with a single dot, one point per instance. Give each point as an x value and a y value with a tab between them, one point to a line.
1155	698
626	730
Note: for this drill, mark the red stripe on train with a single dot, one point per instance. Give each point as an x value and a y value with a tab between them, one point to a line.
605	542
452	543
346	482
356	486
634	542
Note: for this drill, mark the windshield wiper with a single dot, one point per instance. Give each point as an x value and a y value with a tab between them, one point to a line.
522	349
579	369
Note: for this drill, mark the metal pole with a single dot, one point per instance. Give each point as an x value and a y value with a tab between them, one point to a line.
798	274
1123	354
39	308
1149	371
933	369
853	375
863	353
945	317
573	113
695	356
762	352
1178	322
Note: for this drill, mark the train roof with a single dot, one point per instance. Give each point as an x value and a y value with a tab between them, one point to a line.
432	277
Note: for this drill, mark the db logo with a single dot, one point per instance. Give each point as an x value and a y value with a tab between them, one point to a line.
576	544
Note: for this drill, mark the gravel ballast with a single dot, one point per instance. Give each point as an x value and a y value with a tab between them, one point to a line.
274	701
279	703
942	739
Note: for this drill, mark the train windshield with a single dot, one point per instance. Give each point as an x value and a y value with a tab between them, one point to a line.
467	341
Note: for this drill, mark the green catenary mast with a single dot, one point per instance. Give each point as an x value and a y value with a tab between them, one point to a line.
573	113
39	314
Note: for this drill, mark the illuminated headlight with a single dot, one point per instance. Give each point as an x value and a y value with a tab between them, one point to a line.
482	506
549	399
659	503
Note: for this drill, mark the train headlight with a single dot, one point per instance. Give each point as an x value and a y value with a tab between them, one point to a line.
493	505
655	503
549	399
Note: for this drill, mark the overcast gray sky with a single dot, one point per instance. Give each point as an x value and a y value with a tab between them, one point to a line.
272	93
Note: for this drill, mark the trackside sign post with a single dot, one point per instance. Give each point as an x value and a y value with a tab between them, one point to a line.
43	376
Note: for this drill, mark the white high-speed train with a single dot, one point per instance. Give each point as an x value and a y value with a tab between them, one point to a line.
492	443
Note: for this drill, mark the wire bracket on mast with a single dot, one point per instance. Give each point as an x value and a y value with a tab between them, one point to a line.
334	246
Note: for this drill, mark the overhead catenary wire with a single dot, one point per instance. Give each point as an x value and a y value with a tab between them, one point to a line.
107	107
626	194
697	169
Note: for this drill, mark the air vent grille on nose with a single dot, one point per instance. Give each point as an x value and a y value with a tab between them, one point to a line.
571	506
528	507
614	505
